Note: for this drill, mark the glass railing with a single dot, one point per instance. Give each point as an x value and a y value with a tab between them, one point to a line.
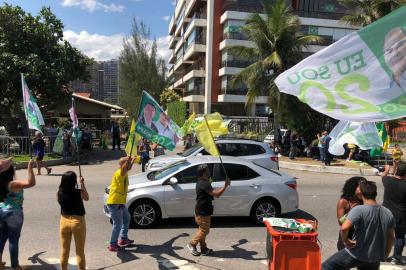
235	63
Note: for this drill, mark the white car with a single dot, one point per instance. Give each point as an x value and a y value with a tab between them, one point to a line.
171	191
258	152
271	136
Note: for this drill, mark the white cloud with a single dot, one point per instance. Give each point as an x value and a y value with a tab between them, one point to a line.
103	47
92	5
163	48
99	47
166	18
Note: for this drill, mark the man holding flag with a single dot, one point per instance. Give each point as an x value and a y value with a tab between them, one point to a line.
204	192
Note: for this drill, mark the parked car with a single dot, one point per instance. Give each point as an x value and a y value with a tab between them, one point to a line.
258	152
171	192
271	136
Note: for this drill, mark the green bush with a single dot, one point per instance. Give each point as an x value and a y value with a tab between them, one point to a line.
177	112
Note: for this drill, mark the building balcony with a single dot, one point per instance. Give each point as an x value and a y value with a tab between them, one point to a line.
194	74
193	24
193	95
173	41
233	42
172	25
229	71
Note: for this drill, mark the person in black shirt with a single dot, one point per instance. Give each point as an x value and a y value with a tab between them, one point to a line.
394	198
72	218
204	209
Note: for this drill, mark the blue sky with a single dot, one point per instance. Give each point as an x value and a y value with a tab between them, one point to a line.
97	27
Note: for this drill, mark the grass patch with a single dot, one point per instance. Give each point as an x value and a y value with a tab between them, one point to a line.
24	158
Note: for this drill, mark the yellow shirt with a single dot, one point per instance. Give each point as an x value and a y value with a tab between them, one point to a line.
397	154
118	188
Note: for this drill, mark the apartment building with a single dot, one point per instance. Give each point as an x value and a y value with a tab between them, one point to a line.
201	31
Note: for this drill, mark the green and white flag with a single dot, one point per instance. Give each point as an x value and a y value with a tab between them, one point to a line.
32	111
360	78
154	125
365	135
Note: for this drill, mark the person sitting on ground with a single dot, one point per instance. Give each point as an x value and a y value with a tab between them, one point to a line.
373	234
11	208
397	157
72	222
350	197
38	147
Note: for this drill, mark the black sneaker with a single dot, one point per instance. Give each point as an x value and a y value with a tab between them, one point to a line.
206	251
193	250
396	261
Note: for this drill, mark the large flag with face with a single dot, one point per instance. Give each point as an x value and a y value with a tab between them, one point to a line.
365	135
154	125
360	78
32	111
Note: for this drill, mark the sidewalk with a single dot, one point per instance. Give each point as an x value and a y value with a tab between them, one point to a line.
337	166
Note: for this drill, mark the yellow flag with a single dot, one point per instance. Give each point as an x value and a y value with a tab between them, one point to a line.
216	124
131	140
204	136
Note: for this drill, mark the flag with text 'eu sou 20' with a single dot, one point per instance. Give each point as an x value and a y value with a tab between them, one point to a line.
360	78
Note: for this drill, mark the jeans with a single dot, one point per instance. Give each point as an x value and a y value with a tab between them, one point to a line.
121	221
400	232
204	228
11	223
322	154
76	226
342	260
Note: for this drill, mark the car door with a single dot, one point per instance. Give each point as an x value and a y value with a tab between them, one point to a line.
238	197
180	199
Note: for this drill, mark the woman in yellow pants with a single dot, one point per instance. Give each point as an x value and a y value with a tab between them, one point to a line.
70	198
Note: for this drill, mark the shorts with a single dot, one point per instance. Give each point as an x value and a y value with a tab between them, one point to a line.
39	156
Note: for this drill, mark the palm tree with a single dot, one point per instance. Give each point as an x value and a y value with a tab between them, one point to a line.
279	45
365	12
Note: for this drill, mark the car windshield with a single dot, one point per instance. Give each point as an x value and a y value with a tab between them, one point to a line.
191	150
158	175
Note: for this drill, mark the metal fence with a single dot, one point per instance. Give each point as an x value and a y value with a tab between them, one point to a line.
20	145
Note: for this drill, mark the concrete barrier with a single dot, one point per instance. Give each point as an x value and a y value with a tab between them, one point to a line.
368	171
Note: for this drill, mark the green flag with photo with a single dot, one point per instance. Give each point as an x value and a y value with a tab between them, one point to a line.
360	78
154	125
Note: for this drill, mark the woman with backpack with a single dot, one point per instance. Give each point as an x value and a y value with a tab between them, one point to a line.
11	208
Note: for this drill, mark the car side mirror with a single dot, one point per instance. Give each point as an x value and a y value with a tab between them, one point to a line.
173	181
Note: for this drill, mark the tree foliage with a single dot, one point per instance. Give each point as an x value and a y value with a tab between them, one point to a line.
177	112
167	96
279	46
364	12
140	68
34	45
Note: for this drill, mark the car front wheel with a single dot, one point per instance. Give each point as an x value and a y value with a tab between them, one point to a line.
265	208
145	214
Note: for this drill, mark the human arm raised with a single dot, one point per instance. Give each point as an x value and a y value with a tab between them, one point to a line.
218	192
83	190
18	185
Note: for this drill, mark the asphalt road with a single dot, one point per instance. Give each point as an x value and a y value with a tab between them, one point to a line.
238	243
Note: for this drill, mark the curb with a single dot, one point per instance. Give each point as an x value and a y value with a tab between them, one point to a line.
52	162
327	169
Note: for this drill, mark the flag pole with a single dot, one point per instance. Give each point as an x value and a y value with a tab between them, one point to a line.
26	118
76	139
221	161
